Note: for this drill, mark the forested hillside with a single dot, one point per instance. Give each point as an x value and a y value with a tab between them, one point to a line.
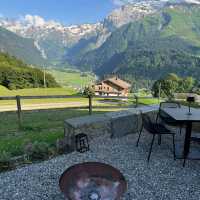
167	41
15	74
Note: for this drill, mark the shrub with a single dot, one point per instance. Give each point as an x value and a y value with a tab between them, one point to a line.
39	151
5	163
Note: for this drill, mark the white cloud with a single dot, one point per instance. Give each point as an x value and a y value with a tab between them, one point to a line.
37	21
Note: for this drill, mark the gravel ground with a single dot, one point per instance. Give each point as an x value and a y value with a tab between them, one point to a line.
163	178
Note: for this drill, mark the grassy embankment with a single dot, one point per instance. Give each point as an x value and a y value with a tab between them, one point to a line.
46	126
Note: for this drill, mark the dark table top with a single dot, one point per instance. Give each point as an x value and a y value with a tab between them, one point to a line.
181	114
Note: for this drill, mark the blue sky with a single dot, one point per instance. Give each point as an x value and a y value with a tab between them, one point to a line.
64	11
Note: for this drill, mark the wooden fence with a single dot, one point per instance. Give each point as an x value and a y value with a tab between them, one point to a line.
89	107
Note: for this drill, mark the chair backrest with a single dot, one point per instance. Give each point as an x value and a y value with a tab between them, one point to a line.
167	104
147	123
170	104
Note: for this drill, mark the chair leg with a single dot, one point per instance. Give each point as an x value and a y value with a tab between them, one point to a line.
139	136
180	130
174	151
157	118
159	139
150	150
184	162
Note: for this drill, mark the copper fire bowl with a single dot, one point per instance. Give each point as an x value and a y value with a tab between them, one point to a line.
94	179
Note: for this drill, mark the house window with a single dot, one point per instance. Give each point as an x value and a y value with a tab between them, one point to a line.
107	88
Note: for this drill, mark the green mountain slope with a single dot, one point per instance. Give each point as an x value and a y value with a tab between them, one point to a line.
168	41
153	63
184	22
80	48
15	74
19	47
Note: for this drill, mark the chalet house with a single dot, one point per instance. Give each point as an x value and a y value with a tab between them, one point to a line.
112	87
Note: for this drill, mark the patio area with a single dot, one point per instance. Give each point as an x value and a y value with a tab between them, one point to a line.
162	178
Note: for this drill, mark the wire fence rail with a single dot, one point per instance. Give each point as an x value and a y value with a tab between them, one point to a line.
90	105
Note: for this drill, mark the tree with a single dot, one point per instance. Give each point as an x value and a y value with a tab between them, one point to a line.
15	74
172	84
164	88
89	91
172	77
186	84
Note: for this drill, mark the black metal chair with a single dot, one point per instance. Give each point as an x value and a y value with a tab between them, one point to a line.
163	117
154	129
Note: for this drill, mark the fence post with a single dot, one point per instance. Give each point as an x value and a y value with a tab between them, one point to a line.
159	92
136	101
19	109
90	104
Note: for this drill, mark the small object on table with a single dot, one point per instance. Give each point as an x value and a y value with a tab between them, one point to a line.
190	99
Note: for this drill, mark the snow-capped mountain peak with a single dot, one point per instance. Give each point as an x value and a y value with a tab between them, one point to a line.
30	25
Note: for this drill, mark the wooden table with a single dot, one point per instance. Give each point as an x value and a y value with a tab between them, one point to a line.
181	116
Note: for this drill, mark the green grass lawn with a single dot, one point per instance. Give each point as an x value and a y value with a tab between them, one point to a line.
38	92
61	91
72	79
45	126
148	101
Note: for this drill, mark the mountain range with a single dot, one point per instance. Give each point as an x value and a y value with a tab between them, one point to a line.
166	41
145	40
57	43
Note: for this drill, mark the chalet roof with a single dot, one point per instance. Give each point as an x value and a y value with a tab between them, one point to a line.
118	82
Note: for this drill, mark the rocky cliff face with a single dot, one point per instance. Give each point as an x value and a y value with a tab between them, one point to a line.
126	14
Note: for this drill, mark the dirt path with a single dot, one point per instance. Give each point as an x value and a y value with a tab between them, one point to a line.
4	108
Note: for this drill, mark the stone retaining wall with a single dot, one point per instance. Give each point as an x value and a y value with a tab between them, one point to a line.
116	124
